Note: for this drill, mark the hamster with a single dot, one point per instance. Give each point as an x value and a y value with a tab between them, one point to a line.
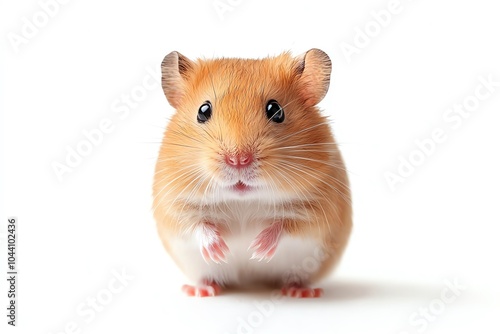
250	187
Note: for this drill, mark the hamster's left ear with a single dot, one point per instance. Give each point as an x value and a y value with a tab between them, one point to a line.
314	68
175	70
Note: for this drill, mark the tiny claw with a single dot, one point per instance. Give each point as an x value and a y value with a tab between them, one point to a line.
265	244
213	247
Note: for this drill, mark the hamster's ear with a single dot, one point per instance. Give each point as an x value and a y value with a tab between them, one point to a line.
314	68
174	72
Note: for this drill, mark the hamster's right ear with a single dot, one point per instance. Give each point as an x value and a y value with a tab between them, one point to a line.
175	69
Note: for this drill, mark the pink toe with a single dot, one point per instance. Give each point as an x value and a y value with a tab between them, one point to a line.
301	292
205	289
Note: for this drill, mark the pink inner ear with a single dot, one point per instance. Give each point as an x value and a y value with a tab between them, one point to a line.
309	92
313	87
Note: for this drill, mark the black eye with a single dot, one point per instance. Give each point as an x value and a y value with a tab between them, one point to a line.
274	111
205	112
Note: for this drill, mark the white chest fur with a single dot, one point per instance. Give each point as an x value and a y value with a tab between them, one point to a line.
296	258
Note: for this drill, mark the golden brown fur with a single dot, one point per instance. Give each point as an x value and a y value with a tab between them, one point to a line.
298	157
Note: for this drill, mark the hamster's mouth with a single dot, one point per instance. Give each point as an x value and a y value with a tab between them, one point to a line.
241	187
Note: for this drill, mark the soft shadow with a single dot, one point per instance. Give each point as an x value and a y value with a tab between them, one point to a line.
344	291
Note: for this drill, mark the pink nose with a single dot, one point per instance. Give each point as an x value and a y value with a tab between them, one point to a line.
239	160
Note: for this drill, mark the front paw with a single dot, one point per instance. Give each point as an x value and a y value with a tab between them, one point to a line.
265	244
212	246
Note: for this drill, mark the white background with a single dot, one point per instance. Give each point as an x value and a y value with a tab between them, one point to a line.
440	224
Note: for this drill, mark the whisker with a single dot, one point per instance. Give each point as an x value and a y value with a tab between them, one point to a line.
280	140
187	173
315	188
315	176
334	165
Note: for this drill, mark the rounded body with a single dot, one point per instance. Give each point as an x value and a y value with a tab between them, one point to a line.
244	197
